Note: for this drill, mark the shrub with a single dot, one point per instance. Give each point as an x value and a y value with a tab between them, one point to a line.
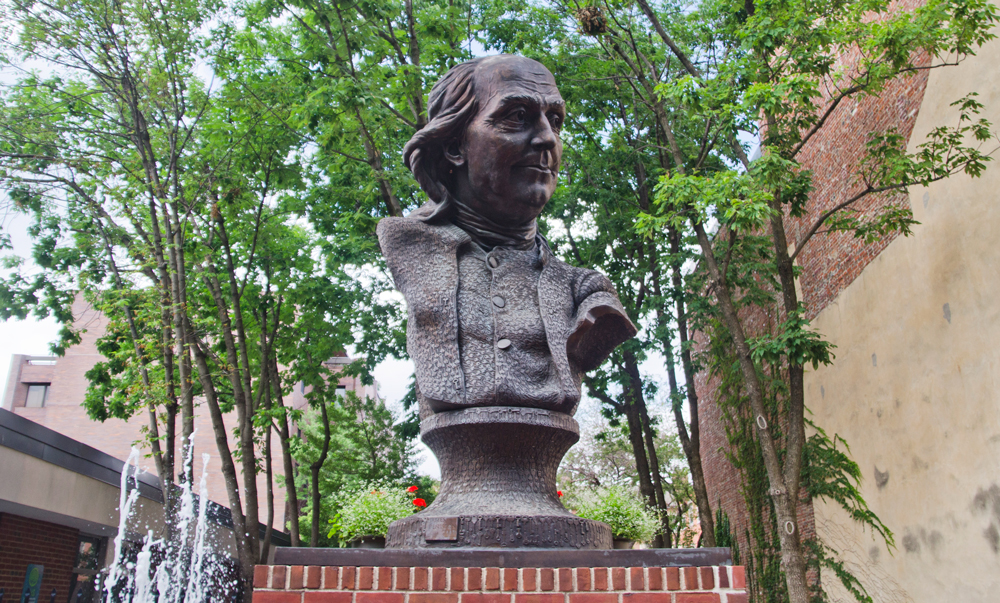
623	510
368	511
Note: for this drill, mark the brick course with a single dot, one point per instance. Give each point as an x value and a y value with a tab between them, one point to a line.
26	541
273	584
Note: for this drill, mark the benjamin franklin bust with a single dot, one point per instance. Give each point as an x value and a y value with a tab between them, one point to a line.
494	318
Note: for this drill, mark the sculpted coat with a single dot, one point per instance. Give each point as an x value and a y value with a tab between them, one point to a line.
582	318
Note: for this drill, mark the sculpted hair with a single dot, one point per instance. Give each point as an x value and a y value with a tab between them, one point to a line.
451	106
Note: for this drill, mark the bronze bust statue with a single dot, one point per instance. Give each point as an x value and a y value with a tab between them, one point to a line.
495	320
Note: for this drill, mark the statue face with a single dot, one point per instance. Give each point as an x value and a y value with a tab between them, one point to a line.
507	165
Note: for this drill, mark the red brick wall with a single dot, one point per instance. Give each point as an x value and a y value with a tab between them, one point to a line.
314	584
829	262
24	541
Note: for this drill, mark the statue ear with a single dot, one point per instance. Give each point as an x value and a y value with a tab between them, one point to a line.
454	153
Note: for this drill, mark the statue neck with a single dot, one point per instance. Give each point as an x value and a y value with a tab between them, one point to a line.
488	234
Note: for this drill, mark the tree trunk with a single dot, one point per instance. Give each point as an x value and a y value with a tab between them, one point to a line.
796	391
264	391
246	410
690	442
269	531
178	309
792	558
291	494
315	469
247	548
632	414
659	501
243	406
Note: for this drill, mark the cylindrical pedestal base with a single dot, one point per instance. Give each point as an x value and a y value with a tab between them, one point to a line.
498	483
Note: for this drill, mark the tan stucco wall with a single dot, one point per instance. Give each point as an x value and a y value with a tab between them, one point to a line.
915	388
32	482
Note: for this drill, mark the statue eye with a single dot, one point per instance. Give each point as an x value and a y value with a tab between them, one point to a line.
556	120
518	116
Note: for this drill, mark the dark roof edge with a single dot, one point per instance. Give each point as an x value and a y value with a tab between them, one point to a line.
53	447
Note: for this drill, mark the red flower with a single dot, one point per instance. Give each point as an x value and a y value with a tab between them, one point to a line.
419	502
413	488
559	492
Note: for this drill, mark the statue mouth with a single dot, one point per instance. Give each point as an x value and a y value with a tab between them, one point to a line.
543	169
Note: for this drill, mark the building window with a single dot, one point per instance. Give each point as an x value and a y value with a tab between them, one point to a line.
84	586
37	392
341	392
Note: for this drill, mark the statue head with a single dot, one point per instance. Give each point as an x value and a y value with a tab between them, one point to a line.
491	141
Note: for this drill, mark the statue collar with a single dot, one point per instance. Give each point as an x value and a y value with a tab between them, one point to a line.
488	234
457	236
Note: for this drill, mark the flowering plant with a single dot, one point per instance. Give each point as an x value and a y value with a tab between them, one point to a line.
623	510
368	511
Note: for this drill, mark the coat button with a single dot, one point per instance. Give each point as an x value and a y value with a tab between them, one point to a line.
493	262
498	301
503	344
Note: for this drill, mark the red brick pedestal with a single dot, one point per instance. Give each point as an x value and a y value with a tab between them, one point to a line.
361	584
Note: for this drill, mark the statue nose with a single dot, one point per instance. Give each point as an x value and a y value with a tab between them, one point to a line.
545	137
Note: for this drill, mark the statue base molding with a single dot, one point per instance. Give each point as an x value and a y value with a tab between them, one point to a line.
498	484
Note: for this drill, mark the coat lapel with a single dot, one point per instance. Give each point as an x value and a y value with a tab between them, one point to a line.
555	302
424	266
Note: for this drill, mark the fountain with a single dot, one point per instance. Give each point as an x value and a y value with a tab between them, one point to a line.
183	569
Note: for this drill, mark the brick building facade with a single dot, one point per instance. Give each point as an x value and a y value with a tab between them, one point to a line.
26	541
50	391
829	263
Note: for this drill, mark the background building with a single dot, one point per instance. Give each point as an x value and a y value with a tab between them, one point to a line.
49	391
914	385
59	510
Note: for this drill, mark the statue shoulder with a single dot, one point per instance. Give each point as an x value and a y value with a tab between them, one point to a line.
405	235
417	252
394	233
585	281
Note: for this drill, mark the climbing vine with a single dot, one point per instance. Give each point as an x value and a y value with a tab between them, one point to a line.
828	472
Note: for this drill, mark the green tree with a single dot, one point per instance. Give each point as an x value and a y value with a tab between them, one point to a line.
779	66
354	110
171	205
615	147
364	447
672	90
605	458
